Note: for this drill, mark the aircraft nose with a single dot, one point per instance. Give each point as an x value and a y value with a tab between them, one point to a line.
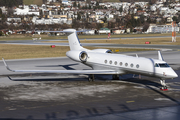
174	75
171	74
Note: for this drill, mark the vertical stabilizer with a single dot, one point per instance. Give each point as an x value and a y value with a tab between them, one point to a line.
160	57
73	39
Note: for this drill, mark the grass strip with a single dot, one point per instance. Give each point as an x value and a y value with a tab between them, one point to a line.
9	51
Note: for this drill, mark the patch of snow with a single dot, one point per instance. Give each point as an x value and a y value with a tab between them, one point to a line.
161	99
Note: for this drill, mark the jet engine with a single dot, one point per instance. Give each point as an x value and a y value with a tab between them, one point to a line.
83	56
77	55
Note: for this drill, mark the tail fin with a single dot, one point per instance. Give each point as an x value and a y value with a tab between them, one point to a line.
73	39
160	57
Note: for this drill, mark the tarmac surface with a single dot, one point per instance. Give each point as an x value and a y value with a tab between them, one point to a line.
63	96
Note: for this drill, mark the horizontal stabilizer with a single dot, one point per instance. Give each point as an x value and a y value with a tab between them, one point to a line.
64	31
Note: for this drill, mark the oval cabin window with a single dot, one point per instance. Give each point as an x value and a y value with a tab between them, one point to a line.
105	61
132	65
126	64
137	66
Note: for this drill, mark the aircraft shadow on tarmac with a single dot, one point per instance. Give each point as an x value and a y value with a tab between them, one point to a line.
67	67
74	114
129	78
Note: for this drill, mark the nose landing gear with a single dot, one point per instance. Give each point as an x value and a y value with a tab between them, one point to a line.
164	86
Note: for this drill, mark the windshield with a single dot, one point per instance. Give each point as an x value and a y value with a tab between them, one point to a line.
161	65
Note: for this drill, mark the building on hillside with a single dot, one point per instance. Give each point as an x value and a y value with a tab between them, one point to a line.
117	31
4	9
13	19
89	32
104	31
66	2
153	28
51	20
27	10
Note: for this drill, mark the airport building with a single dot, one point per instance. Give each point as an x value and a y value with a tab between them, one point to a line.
161	28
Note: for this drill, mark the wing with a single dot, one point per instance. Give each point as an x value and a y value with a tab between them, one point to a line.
64	71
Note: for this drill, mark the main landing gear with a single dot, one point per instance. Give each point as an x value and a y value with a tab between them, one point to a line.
115	77
91	78
164	86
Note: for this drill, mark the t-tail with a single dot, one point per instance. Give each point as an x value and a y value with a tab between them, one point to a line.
73	39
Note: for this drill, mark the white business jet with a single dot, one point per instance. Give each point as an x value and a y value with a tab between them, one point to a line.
103	61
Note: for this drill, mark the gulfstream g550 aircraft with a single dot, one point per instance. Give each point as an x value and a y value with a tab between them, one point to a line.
103	61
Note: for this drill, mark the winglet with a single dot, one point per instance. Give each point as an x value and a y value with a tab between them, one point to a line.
160	57
7	65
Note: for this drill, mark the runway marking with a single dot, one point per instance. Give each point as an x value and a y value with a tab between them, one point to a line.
160	99
129	101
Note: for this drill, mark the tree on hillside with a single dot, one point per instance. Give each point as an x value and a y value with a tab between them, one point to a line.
121	9
142	19
11	3
145	27
88	1
151	2
97	3
3	26
1	33
10	11
44	1
2	16
75	24
175	18
74	4
99	25
78	16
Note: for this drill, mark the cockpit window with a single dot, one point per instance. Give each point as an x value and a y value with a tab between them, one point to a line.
156	65
161	65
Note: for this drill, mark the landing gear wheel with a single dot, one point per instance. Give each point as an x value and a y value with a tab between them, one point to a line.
164	86
115	77
91	78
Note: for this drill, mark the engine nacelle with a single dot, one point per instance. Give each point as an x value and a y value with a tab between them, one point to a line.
102	50
83	56
77	55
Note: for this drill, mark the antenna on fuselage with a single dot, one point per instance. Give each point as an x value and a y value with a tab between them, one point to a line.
137	55
160	57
